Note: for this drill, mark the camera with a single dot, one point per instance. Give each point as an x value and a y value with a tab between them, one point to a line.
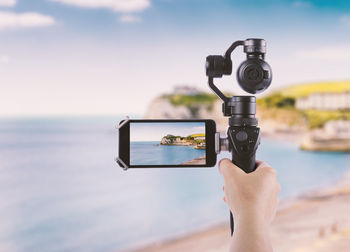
254	75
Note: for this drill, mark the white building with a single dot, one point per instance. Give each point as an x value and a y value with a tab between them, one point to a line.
325	101
338	129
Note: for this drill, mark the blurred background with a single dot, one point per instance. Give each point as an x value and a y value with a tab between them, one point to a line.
70	70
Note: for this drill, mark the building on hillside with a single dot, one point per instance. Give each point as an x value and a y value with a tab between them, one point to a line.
338	129
185	90
325	101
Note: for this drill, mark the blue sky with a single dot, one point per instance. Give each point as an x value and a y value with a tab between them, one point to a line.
155	131
105	57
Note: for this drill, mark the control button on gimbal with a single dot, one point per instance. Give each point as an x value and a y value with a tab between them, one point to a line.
241	136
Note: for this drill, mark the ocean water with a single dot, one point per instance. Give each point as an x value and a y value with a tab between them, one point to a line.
152	153
61	190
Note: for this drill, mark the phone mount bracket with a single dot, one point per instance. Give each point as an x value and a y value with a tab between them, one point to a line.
119	161
127	119
221	143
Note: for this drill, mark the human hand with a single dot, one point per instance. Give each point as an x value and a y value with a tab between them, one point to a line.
252	197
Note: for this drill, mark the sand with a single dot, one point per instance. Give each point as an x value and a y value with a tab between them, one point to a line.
196	161
318	221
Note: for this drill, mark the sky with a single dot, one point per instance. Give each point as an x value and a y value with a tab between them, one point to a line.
156	131
112	57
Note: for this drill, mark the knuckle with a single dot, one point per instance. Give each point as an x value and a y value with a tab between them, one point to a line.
269	170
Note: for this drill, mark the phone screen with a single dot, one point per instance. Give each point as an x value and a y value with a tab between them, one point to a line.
169	143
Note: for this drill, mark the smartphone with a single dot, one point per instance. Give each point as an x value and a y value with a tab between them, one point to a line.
166	143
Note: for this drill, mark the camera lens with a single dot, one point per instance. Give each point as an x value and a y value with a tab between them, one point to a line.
254	75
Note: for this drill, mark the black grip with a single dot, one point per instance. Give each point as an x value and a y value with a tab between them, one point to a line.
244	142
247	165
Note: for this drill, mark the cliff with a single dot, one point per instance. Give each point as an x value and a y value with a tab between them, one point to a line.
202	106
195	142
277	112
205	106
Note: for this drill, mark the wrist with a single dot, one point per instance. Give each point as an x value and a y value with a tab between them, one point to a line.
251	233
254	221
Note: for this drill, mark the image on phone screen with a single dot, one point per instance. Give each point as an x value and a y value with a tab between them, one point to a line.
168	143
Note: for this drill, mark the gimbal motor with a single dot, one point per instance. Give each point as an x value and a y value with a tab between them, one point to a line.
254	75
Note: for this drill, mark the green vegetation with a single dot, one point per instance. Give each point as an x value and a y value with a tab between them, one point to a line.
277	100
193	102
318	118
189	100
191	138
171	137
306	89
280	105
197	135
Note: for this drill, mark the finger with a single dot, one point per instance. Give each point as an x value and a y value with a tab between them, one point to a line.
261	163
223	188
224	199
228	169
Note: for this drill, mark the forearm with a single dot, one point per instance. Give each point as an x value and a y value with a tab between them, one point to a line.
250	236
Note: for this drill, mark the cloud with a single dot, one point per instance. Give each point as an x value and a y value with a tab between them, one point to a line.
7	3
330	53
115	5
127	18
11	20
301	4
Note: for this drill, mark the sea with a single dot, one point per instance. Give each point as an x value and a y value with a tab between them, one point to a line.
152	153
61	189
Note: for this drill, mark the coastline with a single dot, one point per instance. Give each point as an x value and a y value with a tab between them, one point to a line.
315	221
196	161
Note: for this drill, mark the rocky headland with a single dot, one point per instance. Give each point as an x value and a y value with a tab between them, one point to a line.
283	114
197	141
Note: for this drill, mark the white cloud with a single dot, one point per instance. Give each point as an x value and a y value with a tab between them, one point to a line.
302	4
7	3
115	5
127	18
11	20
330	53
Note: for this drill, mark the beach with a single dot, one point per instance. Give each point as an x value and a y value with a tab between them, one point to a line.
317	221
196	161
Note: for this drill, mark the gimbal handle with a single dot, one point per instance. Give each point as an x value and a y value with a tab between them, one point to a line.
243	133
244	141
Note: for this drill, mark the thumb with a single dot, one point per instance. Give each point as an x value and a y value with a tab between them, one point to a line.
228	170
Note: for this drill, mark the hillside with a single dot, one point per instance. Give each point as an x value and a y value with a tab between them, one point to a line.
197	135
306	89
276	111
282	102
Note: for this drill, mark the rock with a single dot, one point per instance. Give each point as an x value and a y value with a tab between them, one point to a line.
160	108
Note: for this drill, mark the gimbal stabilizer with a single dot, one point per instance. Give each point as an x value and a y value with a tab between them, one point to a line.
254	75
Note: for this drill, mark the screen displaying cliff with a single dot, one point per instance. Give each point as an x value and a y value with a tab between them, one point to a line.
167	143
